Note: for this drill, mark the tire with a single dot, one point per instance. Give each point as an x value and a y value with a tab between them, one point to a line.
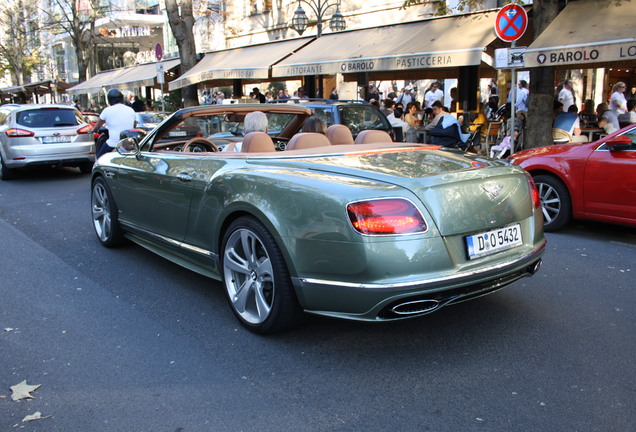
256	279
105	215
5	172
556	203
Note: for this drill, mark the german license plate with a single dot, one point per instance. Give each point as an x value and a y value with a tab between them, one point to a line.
56	139
494	241
177	133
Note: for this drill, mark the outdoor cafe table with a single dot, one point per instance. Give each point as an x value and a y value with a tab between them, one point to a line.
591	131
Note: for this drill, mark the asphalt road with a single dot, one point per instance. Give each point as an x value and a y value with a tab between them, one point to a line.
122	340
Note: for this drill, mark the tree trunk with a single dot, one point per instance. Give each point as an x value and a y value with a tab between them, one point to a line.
539	125
181	22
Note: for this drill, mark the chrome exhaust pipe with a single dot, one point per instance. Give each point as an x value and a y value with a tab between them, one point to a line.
533	268
415	307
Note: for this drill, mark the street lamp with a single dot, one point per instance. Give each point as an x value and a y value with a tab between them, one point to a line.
300	22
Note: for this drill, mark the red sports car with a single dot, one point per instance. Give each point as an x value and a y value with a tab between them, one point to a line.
595	180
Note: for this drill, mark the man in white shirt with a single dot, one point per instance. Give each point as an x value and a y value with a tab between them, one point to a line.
566	97
117	117
434	94
521	104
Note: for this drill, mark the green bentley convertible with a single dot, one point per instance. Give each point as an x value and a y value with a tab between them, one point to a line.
300	222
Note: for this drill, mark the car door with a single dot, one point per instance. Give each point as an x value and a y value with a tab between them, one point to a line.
153	192
610	181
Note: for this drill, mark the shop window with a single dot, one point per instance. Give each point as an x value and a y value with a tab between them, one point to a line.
260	6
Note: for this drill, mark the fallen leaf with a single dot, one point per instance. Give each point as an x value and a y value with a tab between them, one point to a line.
23	390
35	416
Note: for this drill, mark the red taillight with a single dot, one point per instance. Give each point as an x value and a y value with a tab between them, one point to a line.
536	199
15	133
386	216
85	130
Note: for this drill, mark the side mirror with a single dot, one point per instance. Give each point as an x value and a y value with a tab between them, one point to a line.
619	143
128	146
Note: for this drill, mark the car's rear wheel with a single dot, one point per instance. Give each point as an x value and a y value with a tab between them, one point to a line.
256	278
5	172
105	215
556	203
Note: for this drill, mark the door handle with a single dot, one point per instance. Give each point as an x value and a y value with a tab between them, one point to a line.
184	177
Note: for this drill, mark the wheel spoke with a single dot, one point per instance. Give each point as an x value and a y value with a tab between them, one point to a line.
243	294
249	276
235	262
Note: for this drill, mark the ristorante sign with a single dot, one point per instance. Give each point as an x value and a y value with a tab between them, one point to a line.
393	63
556	56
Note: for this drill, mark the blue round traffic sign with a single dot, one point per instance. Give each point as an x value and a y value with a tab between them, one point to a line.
511	22
158	52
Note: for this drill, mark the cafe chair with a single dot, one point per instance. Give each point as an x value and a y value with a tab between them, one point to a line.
489	138
559	136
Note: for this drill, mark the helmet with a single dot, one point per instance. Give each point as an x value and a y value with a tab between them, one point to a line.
114	96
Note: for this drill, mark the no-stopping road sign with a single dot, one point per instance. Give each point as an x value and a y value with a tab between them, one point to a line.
511	22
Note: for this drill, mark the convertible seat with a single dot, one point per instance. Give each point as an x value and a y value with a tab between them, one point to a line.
305	140
339	134
373	136
257	142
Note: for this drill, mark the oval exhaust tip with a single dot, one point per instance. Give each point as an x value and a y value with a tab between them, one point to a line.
415	307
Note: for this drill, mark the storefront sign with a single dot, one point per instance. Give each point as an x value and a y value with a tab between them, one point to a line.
578	55
393	63
126	32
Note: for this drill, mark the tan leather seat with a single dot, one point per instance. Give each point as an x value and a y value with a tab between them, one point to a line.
305	140
373	136
339	134
257	142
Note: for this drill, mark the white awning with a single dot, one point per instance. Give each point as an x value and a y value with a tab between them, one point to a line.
587	31
249	62
124	78
452	41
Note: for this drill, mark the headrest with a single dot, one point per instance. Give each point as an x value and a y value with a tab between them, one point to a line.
257	142
305	140
339	134
373	136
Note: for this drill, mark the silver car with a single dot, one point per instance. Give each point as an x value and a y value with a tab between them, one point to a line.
44	135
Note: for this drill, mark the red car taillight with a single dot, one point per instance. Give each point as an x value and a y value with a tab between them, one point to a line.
386	216
15	133
85	130
536	199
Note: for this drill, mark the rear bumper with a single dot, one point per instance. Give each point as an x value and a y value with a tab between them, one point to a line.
383	302
50	161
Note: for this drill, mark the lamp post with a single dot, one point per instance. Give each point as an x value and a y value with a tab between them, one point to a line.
300	22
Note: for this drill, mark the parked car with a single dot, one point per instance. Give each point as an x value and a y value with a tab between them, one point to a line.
44	135
148	120
370	232
92	118
356	115
585	181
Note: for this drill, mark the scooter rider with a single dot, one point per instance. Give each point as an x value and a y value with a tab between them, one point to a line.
117	117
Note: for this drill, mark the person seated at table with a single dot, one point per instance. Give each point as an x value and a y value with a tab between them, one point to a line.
608	120
395	118
588	114
448	133
569	122
438	112
630	116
